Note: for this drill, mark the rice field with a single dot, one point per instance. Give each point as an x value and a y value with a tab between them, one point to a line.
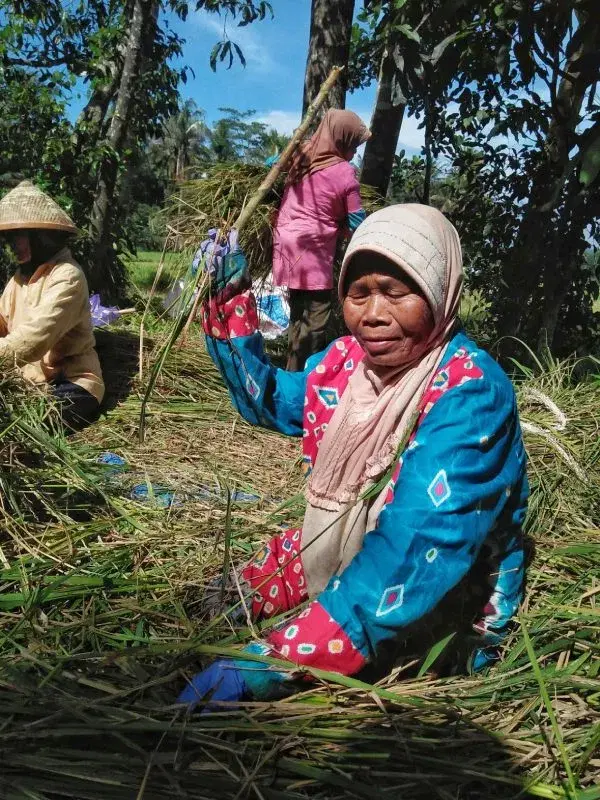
102	610
142	269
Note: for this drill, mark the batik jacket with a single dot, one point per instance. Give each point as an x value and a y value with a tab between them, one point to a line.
455	500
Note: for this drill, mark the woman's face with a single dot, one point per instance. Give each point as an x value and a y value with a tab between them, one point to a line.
387	313
20	245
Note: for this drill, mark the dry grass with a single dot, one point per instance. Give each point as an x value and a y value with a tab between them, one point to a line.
101	608
216	201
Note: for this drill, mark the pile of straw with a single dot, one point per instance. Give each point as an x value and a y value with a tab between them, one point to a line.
100	616
40	480
217	199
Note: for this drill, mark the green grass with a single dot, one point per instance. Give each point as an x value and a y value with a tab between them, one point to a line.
142	269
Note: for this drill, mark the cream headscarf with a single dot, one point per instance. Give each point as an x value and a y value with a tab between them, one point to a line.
376	415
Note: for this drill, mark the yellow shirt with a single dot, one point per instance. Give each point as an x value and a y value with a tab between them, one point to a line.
46	325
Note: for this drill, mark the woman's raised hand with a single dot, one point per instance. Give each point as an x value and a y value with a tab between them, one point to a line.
223	259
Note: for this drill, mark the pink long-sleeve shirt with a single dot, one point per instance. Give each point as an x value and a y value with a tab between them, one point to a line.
308	224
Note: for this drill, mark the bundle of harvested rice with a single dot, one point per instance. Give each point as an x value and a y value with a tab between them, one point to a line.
217	199
561	425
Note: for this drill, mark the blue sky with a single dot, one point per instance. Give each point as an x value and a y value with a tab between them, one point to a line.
272	81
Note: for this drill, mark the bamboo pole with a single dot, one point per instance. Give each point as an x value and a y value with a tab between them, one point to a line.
147	306
181	325
298	136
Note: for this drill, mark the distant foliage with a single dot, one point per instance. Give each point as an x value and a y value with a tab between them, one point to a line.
507	95
124	53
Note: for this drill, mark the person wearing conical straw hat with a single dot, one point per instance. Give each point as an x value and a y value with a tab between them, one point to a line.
417	485
45	321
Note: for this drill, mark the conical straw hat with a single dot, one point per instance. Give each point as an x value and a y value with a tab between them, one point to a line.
26	206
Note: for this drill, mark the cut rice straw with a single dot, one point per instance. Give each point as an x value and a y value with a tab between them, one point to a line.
101	617
153	289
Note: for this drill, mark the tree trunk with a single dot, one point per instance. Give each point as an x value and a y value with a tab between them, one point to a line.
563	264
91	120
554	297
102	276
536	239
428	154
386	122
180	165
329	46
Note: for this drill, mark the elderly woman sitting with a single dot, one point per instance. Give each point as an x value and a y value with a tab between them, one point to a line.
45	321
417	484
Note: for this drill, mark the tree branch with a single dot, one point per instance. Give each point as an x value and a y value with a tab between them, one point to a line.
40	63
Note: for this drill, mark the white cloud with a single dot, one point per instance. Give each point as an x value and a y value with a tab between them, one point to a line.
248	38
410	135
285	122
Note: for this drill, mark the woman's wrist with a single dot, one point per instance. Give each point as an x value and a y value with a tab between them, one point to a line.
228	319
263	681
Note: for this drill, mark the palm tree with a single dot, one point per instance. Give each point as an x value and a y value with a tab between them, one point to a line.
272	143
184	139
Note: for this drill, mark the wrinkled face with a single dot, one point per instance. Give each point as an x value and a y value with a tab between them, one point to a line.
20	245
387	313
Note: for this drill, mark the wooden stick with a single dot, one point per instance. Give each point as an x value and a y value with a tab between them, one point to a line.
277	168
200	297
150	296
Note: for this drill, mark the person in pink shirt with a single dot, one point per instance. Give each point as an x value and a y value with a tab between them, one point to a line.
321	199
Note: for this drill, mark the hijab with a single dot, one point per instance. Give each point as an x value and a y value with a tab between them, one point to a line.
339	133
376	414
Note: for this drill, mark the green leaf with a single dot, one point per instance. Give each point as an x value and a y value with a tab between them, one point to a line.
558	738
214	54
225	49
434	653
439	49
503	58
240	55
409	32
